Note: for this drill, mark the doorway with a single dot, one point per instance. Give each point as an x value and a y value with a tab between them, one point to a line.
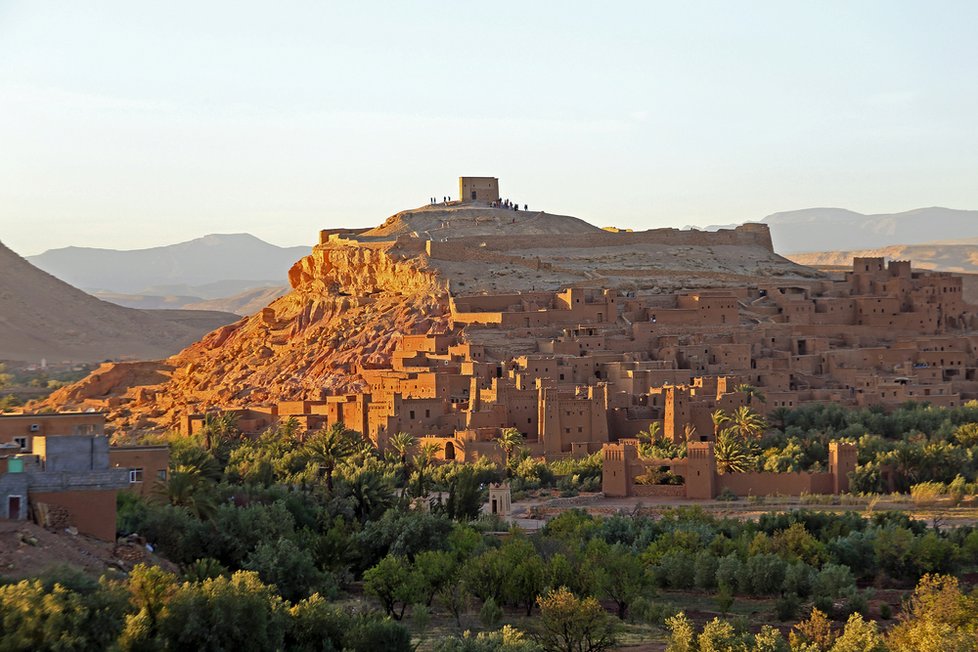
473	195
13	507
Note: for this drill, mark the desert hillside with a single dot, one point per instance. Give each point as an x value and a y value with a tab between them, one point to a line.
825	229
943	257
359	291
43	317
239	303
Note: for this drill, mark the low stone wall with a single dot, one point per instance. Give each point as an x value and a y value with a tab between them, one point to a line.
763	484
659	490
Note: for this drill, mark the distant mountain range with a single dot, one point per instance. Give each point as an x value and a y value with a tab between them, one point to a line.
44	317
234	270
835	229
234	262
942	257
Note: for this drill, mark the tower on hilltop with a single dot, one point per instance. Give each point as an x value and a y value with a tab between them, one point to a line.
478	189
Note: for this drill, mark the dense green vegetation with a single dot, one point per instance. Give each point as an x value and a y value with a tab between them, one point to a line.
321	543
18	385
916	443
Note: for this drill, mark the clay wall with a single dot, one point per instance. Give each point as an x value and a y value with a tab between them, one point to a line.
425	343
24	427
798	312
326	234
288	408
484	189
500	302
91	511
153	462
764	484
756	235
834	311
659	491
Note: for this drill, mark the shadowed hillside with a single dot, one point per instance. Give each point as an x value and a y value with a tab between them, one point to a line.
43	317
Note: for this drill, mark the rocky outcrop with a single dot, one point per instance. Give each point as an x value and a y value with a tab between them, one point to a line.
347	308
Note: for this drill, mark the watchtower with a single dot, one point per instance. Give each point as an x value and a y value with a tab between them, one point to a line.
701	470
842	462
616	467
478	189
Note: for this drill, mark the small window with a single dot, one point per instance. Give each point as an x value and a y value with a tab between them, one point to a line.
412	414
161	475
135	475
21	441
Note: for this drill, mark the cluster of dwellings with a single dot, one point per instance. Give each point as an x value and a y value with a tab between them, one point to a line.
603	366
62	464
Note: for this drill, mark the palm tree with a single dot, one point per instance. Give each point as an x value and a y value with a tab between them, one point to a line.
422	460
733	454
648	438
218	428
748	423
780	415
369	492
689	432
751	392
330	447
289	430
509	440
402	442
719	418
187	487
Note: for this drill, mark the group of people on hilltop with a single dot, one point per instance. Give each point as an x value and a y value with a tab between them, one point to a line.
505	203
499	203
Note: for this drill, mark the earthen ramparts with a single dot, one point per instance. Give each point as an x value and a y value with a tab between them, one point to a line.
752	235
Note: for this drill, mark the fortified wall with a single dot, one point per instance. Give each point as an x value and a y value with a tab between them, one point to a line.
746	235
624	473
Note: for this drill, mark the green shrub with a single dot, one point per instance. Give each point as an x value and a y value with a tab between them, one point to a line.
490	614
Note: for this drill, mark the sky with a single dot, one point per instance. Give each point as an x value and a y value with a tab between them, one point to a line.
132	124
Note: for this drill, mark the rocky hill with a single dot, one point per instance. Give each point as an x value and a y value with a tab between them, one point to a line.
358	291
43	317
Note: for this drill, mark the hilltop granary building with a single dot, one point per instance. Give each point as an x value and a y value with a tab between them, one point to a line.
60	470
482	189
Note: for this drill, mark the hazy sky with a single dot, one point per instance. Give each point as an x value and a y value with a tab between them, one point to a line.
127	124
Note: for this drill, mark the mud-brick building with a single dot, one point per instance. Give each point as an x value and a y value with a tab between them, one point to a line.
623	473
20	429
66	480
484	189
59	469
148	467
